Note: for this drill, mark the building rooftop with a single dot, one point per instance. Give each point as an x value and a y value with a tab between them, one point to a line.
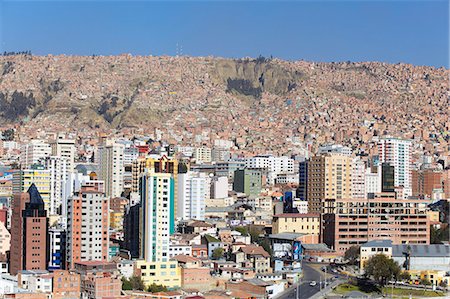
286	236
297	215
316	247
432	250
378	243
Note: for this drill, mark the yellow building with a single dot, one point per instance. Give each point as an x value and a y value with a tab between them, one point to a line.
329	176
434	276
308	224
155	164
164	273
37	175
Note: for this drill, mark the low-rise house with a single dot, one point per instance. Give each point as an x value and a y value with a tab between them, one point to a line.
256	255
212	243
200	251
258	288
99	279
66	285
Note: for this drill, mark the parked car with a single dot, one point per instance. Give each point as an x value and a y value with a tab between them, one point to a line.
313	283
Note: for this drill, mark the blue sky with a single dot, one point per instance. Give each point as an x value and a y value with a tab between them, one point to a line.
415	32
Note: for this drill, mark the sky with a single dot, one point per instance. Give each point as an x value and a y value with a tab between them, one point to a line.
415	32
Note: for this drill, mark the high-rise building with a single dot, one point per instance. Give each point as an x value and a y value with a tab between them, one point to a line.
220	154
29	225
37	175
131	229
219	187
64	148
358	178
111	167
157	223
387	178
446	182
87	227
372	182
117	212
397	153
248	181
274	165
348	222
32	152
427	181
58	168
302	190
193	188
202	155
329	176
57	248
228	168
156	164
334	148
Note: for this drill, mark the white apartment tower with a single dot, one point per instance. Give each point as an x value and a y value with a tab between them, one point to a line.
64	148
358	178
193	190
274	165
397	152
111	167
32	152
57	167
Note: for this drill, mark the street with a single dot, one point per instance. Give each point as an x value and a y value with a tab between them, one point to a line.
305	290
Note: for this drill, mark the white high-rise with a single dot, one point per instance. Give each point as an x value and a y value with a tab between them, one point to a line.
58	178
372	181
193	190
111	167
64	148
32	152
87	226
397	152
274	165
358	178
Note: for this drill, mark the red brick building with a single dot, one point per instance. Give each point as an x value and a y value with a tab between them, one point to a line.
99	279
29	226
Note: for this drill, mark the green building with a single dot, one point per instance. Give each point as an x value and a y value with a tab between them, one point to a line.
248	181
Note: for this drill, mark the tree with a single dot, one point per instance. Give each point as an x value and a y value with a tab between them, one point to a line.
126	284
264	243
137	283
352	255
404	276
217	253
443	284
242	229
382	269
425	282
438	235
154	288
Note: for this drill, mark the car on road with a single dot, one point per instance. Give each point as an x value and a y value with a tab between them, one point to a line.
313	283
